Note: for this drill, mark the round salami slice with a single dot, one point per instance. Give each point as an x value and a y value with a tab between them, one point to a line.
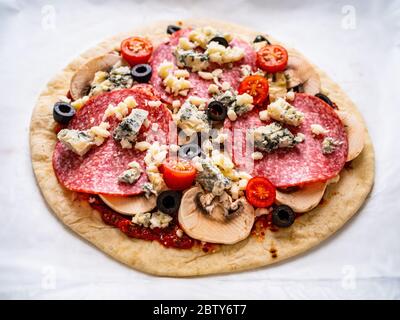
302	164
97	171
200	86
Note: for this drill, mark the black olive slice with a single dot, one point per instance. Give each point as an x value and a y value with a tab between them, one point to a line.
63	112
221	40
324	98
283	216
171	29
169	201
216	111
189	151
141	73
261	38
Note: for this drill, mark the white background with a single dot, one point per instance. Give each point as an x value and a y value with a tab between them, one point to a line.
40	258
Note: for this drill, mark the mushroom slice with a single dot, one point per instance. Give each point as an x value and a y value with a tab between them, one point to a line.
355	134
130	205
300	72
304	199
214	227
82	79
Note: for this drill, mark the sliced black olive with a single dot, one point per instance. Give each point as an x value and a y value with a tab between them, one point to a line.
141	72
260	38
63	112
171	29
216	111
189	151
324	98
169	201
221	40
283	216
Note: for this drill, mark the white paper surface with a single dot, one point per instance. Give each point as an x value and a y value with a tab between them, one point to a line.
356	42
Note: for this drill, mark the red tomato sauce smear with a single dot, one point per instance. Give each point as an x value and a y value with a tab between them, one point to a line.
168	236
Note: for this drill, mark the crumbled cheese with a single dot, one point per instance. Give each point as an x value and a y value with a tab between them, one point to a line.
264	115
257	155
317	130
179	233
181	73
194	60
243	184
142	219
191	120
185	44
258	45
290	96
142	145
225	86
154	104
165	68
154	126
213	89
245	70
131	175
206	75
176	104
121	110
273	136
126	132
176	86
329	145
160	220
244	100
201	36
277	86
197	101
100	133
282	111
79	103
80	142
219	54
232	115
119	77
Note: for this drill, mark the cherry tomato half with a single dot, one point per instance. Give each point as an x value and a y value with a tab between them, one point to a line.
260	192
136	50
178	174
256	86
272	58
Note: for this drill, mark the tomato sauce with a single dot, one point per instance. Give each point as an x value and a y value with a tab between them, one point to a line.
167	237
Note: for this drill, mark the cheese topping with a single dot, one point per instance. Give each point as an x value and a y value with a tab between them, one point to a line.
318	130
282	111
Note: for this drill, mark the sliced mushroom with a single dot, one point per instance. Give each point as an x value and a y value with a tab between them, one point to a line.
304	199
130	205
300	73
355	134
214	227
80	82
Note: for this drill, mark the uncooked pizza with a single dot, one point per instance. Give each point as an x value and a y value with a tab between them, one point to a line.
199	147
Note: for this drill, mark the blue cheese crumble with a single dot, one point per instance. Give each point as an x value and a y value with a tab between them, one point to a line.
211	178
126	132
274	136
131	175
282	111
329	145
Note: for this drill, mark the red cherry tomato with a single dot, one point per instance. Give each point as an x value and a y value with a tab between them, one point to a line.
178	174
256	86
136	50
272	58
260	192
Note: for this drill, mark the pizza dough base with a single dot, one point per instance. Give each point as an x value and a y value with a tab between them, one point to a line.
342	200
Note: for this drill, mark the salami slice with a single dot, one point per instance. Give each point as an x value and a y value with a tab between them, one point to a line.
98	170
199	86
305	163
